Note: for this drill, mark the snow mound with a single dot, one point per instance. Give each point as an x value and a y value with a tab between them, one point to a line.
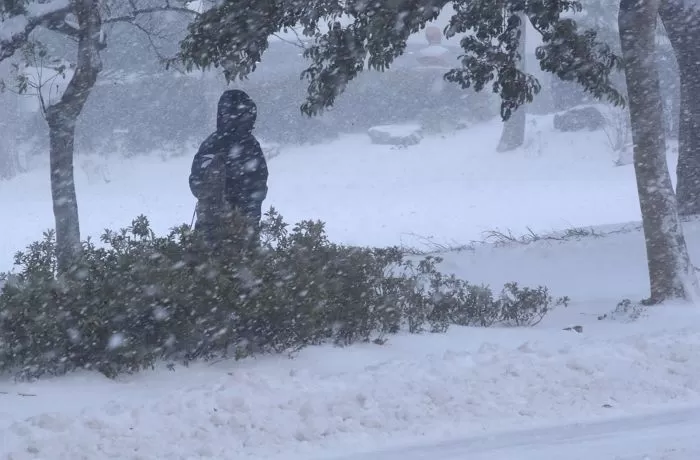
409	134
422	387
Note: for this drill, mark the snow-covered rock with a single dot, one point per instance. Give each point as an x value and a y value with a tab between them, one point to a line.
408	134
579	119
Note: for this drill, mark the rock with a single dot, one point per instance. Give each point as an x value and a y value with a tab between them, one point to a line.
404	135
579	119
578	329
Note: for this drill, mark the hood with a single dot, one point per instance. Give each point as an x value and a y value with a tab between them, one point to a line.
236	112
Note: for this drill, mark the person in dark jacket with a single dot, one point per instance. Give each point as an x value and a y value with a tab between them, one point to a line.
229	172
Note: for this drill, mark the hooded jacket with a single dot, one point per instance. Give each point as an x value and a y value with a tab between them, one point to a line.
229	166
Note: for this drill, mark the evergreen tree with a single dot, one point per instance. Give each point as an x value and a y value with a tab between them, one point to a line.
349	37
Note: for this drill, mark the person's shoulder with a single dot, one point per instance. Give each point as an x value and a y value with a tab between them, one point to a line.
253	141
209	142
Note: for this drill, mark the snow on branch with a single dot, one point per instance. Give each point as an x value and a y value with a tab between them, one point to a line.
15	30
135	12
47	8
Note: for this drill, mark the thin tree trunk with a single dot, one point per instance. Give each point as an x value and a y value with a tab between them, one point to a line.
65	202
671	275
62	118
683	29
513	134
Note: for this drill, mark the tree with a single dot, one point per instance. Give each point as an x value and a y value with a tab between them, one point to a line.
513	134
682	24
671	274
82	21
22	18
376	33
601	16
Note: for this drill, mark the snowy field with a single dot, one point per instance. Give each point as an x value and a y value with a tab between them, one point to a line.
620	389
448	190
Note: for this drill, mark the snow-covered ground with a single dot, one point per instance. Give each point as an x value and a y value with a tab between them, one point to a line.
449	190
327	401
448	396
669	435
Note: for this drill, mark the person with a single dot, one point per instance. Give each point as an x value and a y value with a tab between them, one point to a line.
229	172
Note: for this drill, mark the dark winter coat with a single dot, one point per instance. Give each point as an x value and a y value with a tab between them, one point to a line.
229	171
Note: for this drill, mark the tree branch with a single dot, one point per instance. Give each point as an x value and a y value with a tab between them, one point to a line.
149	36
299	43
62	27
135	13
12	42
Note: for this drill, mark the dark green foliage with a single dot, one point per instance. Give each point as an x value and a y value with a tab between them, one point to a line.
139	298
455	301
578	56
12	7
377	33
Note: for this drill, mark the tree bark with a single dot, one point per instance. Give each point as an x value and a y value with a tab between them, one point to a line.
683	29
65	202
61	118
513	134
671	275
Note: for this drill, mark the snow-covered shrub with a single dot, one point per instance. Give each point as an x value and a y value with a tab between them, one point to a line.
525	306
626	310
618	131
464	304
403	135
579	119
138	298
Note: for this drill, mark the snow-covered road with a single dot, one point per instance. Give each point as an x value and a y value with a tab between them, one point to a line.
669	435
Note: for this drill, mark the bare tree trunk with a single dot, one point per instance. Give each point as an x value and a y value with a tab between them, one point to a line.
513	134
683	29
62	118
671	275
65	202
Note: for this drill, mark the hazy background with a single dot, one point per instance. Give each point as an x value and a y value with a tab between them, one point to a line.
138	106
